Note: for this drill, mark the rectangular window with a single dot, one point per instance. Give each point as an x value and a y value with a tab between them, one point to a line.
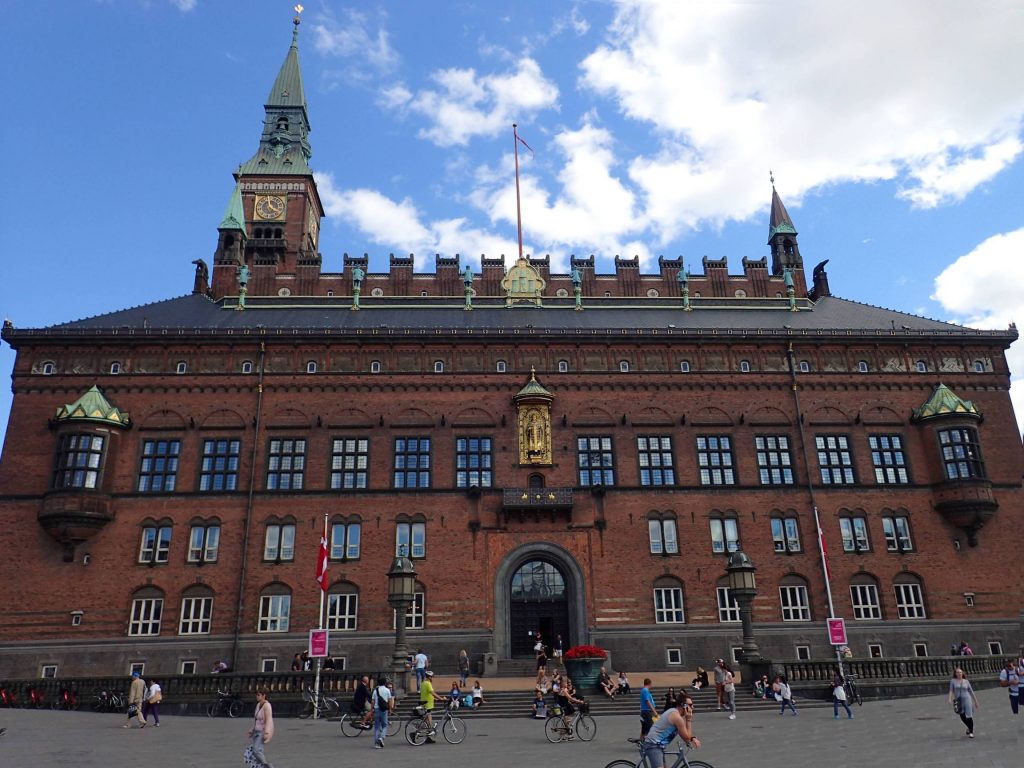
785	534
145	618
279	543
268	665
725	535
473	462
728	608
875	650
714	457
158	471
865	602
657	467
274	611
803	652
663	537
674	656
342	610
286	464
774	463
920	650
795	606
736	653
350	459
137	666
411	540
415	617
345	539
195	615
834	459
596	460
909	601
188	667
897	534
412	462
78	461
995	648
156	544
854	531
668	605
203	543
219	468
888	459
48	671
961	453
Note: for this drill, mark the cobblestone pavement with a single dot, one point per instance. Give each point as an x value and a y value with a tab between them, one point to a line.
898	734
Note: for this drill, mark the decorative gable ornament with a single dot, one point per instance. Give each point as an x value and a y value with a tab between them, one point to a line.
523	284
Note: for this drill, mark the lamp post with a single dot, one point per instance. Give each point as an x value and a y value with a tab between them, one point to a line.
743	587
401	592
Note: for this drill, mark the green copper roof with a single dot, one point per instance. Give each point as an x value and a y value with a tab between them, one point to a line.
234	217
779	221
287	90
533	388
93	406
945	402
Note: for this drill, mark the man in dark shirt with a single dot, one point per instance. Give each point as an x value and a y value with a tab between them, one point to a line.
361	702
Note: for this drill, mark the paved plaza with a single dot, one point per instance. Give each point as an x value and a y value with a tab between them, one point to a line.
900	734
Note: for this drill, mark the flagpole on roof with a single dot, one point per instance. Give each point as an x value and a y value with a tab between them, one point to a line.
321	577
519	212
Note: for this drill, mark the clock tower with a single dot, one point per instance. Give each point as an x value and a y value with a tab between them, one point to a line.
279	199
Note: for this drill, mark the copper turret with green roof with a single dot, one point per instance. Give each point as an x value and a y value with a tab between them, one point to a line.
782	237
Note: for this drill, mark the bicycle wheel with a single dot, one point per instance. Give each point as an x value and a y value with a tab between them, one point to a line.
858	697
351	725
454	730
555	729
698	764
416	731
212	709
586	728
394	725
235	708
622	764
99	705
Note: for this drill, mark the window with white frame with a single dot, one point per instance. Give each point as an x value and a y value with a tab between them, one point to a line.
204	542
623	366
415	616
596	460
668	602
834	459
247	366
657	466
268	664
921	650
343	608
662	534
785	534
155	546
684	366
375	366
158	470
438	366
473	461
864	598
854	532
412	462
862	366
311	366
875	650
115	368
274	612
350	461
921	366
674	656
345	539
411	539
48	671
979	366
219	468
909	600
774	462
279	542
563	366
714	460
286	464
897	533
794	602
888	459
728	607
805	367
725	534
501	366
137	666
196	615
961	453
744	366
147	610
79	457
803	652
995	648
181	367
48	368
188	667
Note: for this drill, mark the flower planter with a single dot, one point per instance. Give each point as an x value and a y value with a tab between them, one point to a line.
584	673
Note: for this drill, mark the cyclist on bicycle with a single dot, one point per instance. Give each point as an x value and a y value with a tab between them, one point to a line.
567	701
427	699
361	703
673	722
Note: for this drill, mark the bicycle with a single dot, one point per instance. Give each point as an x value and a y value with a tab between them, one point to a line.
580	724
643	762
107	701
226	703
852	691
327	705
452	728
353	724
33	698
66	699
7	698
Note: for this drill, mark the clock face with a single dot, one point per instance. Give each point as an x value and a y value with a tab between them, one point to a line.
270	207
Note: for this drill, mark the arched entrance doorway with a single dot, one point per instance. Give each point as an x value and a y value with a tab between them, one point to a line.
537	603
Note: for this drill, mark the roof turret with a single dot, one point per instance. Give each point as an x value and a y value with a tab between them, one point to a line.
779	221
234	216
93	406
945	402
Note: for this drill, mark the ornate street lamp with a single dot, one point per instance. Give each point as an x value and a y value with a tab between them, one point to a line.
401	593
743	587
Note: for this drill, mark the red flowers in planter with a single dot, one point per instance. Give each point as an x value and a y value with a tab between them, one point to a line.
586	652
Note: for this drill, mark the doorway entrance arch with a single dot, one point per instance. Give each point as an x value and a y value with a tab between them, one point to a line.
538	587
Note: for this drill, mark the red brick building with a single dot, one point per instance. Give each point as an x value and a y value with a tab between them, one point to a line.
571	453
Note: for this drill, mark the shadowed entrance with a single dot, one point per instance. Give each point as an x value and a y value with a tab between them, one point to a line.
538	603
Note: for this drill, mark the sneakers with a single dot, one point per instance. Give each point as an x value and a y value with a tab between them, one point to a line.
156	725
378	745
836	717
732	717
850	716
970	735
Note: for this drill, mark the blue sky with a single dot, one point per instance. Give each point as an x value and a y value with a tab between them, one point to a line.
895	132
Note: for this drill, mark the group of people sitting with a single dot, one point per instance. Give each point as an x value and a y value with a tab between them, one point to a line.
564	694
459	697
612	689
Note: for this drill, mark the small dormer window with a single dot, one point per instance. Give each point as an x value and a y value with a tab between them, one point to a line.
744	366
48	368
862	366
181	367
920	366
423	293
684	366
500	367
623	366
979	367
311	366
805	367
115	368
247	366
375	366
563	366
607	294
330	293
438	366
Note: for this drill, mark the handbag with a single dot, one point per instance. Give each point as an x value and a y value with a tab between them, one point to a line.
133	710
249	757
958	706
778	696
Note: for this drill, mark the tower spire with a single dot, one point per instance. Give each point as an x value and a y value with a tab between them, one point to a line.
782	235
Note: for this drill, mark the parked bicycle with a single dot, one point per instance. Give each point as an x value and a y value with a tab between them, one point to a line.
852	691
7	698
580	725
108	701
33	698
644	762
66	699
227	703
452	728
329	706
354	723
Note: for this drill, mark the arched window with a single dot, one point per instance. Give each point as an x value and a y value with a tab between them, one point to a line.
146	612
668	601
375	366
725	534
785	532
48	368
343	607
181	367
196	611
115	368
744	366
346	538
864	598
909	597
979	366
311	366
279	540
438	366
411	537
921	366
563	366
862	366
275	608
794	600
684	366
500	366
662	534
623	366
203	541
247	366
805	367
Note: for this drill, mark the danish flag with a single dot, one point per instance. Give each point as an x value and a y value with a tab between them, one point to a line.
321	561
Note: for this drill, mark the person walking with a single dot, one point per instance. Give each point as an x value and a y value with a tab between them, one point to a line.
383	704
136	694
839	697
154	695
783	694
463	668
648	711
1009	677
729	690
262	730
961	696
675	721
420	663
720	671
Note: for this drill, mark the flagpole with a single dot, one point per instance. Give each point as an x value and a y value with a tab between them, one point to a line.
319	661
519	213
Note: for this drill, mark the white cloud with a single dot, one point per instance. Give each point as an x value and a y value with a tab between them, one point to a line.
184	5
352	38
821	92
465	105
985	289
